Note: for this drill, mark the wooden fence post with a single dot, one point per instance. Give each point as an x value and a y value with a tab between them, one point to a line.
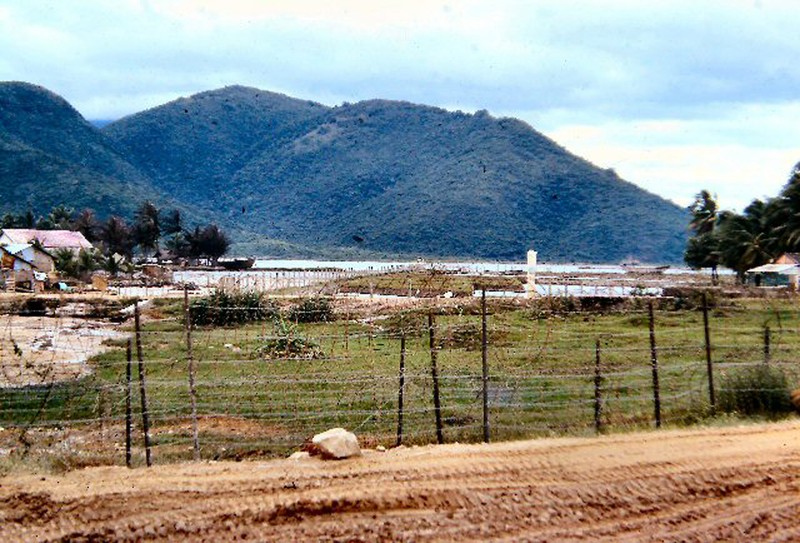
437	406
654	366
401	388
187	312
128	412
598	380
142	386
485	367
767	338
709	365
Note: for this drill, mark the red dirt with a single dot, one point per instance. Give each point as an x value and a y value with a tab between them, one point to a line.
692	485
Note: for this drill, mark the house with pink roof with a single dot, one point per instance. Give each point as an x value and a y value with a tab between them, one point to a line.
50	240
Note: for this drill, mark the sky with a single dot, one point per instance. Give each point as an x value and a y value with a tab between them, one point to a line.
675	96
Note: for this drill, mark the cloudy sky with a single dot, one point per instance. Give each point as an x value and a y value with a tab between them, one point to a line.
675	96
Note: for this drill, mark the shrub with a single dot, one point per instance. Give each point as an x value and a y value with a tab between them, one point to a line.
223	308
755	390
312	310
288	345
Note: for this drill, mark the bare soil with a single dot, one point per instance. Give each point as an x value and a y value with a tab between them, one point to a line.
44	350
691	485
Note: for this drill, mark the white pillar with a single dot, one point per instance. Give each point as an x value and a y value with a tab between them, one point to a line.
530	286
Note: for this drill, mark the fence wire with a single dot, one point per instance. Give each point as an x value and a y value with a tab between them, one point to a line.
267	383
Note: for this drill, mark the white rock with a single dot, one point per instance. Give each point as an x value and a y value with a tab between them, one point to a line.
299	455
380	448
336	444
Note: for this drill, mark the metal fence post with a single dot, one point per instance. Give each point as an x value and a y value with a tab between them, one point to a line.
437	406
654	366
142	386
485	367
187	312
401	389
128	411
598	380
709	364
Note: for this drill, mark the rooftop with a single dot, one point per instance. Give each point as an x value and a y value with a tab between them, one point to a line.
50	239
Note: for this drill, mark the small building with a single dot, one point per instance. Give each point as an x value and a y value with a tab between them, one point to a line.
13	262
788	258
42	260
49	240
775	275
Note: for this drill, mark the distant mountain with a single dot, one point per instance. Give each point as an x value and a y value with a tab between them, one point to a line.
390	175
50	155
192	147
293	177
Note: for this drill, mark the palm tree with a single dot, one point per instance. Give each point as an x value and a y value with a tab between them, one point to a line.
147	228
86	223
701	249
745	241
61	217
783	215
116	235
705	212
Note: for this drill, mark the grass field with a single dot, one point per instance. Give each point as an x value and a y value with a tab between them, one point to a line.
345	373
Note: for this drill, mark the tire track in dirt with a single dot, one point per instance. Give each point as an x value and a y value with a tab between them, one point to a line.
691	485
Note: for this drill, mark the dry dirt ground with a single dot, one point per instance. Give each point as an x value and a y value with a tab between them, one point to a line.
43	350
738	484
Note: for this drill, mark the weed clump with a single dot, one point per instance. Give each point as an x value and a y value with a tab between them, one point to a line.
224	308
286	344
756	390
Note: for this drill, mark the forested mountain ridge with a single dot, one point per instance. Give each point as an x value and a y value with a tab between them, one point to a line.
192	146
375	177
49	155
418	179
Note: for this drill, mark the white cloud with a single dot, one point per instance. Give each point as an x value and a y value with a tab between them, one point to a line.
747	153
676	96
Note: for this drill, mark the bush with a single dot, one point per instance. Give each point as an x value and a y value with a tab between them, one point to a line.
755	390
223	308
312	310
287	345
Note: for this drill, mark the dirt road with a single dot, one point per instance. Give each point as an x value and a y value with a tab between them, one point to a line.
701	485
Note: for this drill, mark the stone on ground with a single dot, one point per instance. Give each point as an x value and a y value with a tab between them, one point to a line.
336	444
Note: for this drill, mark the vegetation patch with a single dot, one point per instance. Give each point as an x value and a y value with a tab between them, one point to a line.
225	308
287	344
756	390
312	310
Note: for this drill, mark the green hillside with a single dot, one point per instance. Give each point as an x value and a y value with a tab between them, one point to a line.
50	155
453	184
290	177
192	147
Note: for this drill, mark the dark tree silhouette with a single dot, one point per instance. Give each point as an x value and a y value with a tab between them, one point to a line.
147	227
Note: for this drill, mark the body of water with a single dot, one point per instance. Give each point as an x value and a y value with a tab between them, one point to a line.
467	266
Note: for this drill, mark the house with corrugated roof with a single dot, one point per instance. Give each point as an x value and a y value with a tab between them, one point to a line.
41	259
784	271
14	262
49	240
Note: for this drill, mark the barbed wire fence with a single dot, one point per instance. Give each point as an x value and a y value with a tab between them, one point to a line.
425	372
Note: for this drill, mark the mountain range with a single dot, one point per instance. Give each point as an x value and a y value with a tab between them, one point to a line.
289	177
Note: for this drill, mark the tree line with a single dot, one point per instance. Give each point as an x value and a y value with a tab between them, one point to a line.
741	241
150	233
